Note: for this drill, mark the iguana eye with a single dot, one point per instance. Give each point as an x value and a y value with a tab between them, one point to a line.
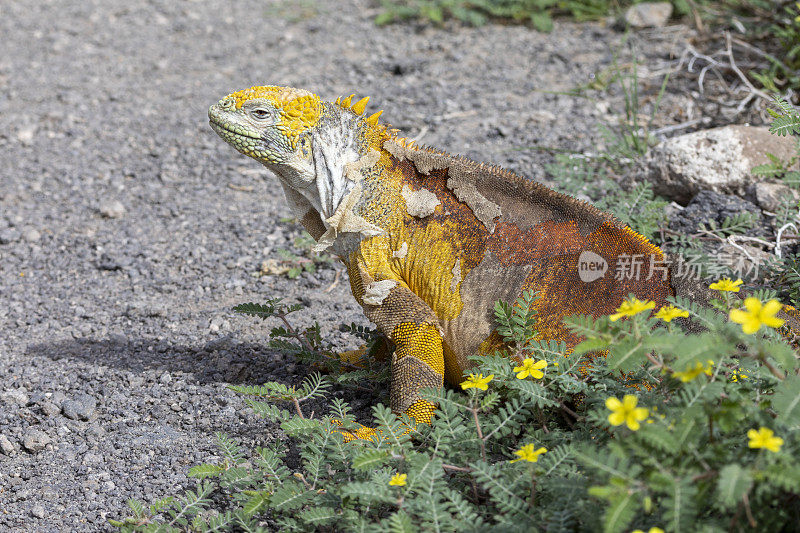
259	113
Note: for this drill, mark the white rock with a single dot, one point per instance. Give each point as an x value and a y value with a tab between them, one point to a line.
719	159
112	209
6	446
772	196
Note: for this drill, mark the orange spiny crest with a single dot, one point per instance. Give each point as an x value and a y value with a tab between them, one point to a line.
346	102
360	106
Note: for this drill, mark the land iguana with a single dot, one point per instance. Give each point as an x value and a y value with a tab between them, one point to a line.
431	240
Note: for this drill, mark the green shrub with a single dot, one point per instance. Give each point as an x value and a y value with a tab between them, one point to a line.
546	450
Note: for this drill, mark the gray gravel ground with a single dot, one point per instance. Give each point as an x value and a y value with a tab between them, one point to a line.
128	229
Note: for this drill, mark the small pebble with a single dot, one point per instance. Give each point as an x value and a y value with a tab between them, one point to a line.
5	445
31	234
81	408
35	440
37	511
112	209
49	408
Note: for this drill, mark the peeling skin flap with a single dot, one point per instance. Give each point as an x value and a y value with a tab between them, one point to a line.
377	291
420	203
345	220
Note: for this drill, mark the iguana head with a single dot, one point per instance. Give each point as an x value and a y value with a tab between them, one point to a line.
272	125
306	142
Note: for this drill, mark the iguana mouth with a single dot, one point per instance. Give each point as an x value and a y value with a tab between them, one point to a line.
216	126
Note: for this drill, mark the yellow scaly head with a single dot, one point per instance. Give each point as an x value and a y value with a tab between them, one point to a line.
270	124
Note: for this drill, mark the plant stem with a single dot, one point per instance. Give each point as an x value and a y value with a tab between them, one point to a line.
296	403
480	433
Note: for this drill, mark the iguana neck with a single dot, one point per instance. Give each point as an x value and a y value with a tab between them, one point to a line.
332	145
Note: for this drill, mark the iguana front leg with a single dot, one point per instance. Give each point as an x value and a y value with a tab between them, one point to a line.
407	321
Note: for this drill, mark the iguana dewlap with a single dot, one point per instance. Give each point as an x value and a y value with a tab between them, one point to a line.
431	241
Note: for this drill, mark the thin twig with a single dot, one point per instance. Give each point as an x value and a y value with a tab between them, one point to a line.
739	73
780	233
303	341
570	411
480	433
775	372
747	511
675	127
456	468
297	407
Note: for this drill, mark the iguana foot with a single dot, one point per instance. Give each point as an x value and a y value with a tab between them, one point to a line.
420	412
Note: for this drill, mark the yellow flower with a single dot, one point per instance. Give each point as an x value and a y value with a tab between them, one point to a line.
398	480
626	412
726	285
757	314
669	312
631	307
693	371
478	382
527	453
651	530
530	368
764	438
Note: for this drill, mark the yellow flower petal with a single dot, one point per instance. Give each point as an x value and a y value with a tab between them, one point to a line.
617	418
613	404
752	304
398	480
629	402
725	284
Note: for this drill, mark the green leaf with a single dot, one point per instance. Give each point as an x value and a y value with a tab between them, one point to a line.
257	502
620	513
318	515
289	496
734	481
542	22
626	355
679	505
205	470
592	345
369	459
783	354
658	437
400	522
787	401
786	125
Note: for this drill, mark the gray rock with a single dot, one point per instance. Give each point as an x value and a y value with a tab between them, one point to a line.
37	511
15	397
49	408
9	235
772	196
80	408
92	459
649	14
708	207
719	159
34	440
6	446
112	209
